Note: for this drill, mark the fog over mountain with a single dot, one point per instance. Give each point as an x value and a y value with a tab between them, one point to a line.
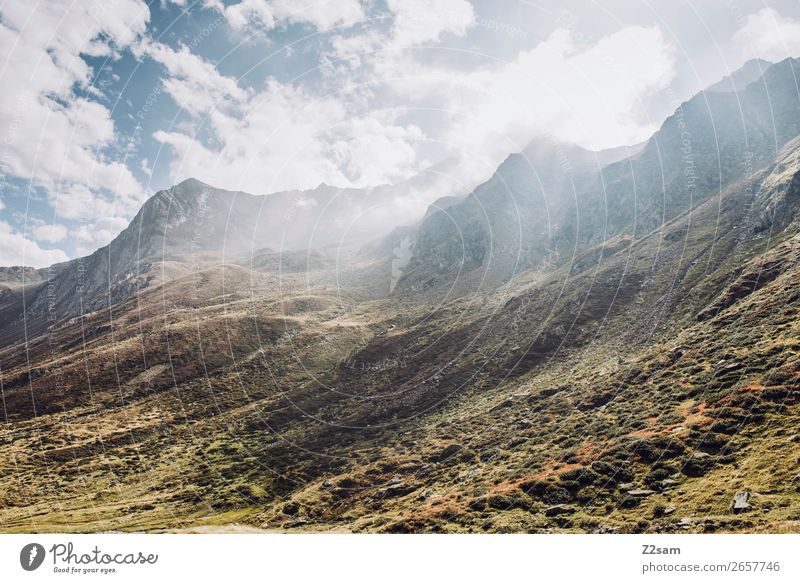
258	97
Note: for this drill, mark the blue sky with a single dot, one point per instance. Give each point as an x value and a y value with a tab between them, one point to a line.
107	101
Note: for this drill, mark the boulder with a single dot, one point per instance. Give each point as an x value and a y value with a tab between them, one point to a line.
741	502
558	510
641	493
395	489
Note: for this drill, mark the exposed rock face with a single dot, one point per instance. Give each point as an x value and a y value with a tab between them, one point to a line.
507	224
641	493
16	276
751	71
559	510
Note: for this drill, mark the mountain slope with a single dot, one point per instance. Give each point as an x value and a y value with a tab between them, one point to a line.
193	226
506	225
750	71
542	210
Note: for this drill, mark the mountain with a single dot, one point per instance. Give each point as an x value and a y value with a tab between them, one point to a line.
752	70
581	344
542	209
19	276
507	224
192	226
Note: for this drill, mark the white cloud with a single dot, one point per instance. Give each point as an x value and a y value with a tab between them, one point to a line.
414	22
55	138
287	138
375	151
194	84
39	107
77	202
261	15
69	29
768	35
16	249
420	21
89	237
590	94
364	127
50	233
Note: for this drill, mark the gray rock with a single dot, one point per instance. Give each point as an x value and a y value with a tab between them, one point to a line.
741	502
558	510
641	493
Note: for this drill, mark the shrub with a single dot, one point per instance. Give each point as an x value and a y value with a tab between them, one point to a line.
545	491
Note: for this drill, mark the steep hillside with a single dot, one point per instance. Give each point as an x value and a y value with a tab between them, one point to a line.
193	226
507	224
543	210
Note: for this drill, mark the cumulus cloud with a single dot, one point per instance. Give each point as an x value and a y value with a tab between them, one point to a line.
768	35
89	237
372	150
420	21
592	94
284	138
16	249
56	137
50	233
55	134
194	83
364	127
414	23
265	15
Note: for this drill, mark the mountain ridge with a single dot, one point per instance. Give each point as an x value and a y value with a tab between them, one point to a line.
629	196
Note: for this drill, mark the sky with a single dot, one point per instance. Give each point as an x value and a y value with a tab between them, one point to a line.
105	102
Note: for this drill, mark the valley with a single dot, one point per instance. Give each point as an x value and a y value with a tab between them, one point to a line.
587	342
